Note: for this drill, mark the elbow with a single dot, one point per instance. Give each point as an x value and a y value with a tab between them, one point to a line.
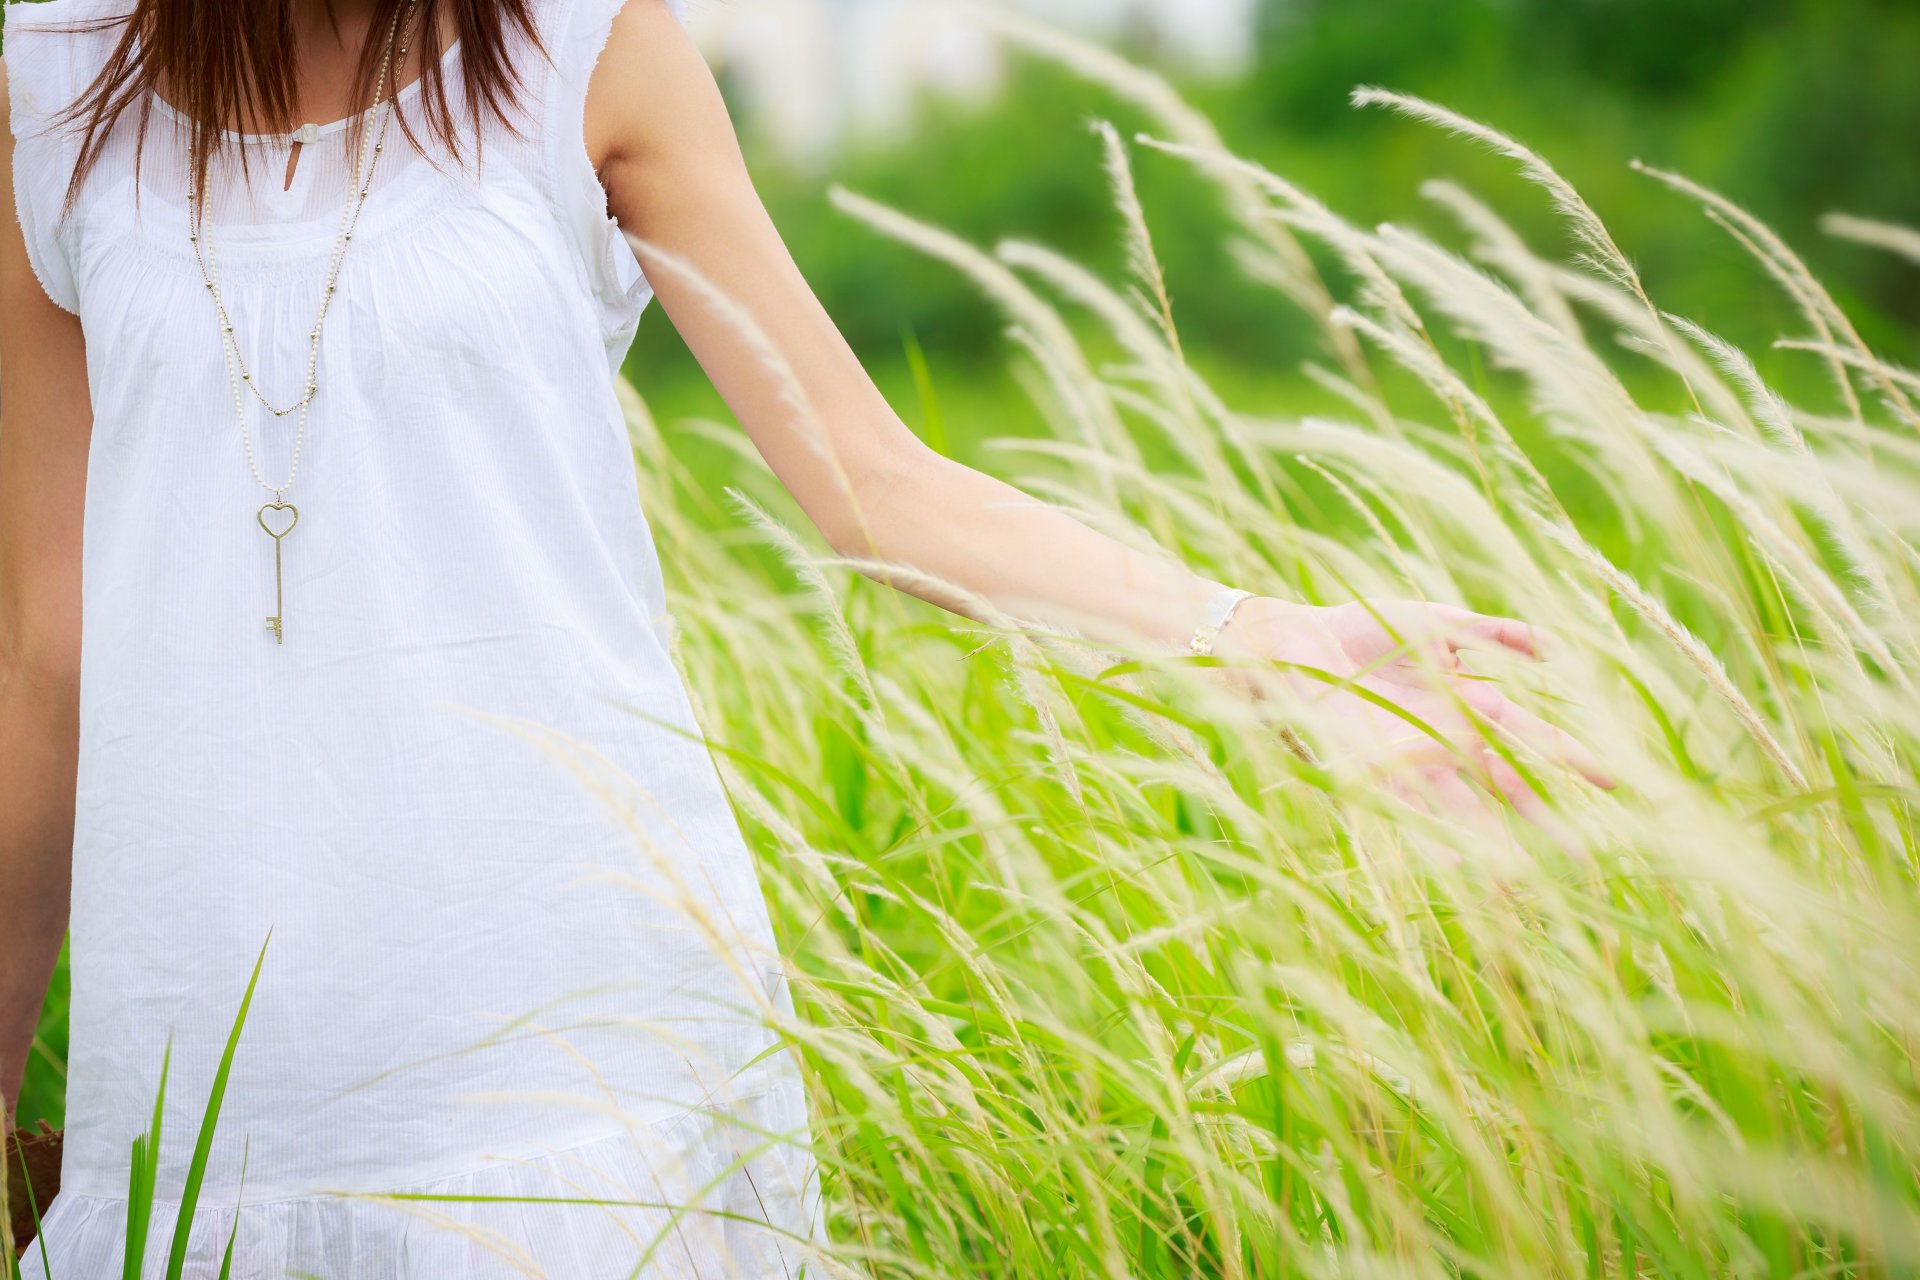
40	661
890	485
52	679
848	529
40	629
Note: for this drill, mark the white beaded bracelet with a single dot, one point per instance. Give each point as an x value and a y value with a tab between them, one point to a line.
1219	612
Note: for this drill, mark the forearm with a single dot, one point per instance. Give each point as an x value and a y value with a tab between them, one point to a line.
1029	560
37	769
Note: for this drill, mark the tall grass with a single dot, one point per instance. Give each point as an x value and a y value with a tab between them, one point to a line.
1100	974
143	1167
1100	978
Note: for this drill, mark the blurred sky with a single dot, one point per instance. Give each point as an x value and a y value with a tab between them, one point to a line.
804	73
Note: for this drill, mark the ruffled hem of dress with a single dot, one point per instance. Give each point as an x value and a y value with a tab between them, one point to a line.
725	1191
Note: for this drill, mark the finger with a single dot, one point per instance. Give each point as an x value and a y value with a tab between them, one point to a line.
1437	652
1498	779
1466	629
1552	742
1452	791
1511	785
1428	666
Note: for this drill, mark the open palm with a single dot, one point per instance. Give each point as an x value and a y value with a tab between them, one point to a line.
1403	701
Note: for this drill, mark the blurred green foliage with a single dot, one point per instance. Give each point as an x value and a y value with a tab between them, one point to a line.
1792	108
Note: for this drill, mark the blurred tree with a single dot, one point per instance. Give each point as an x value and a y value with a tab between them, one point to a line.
1789	107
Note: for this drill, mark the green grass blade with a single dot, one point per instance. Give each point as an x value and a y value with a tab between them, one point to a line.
226	1260
142	1174
197	1170
33	1207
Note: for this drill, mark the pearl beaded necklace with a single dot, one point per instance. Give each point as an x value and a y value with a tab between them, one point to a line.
238	374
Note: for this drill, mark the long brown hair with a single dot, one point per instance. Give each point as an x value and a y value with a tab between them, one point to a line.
226	60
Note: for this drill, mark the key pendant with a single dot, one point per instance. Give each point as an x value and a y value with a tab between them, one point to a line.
278	525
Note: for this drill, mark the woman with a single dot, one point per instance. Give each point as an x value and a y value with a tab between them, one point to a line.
324	588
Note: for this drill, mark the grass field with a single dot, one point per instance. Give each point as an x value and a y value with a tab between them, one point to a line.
1099	976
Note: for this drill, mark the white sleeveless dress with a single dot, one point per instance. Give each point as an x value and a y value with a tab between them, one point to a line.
518	945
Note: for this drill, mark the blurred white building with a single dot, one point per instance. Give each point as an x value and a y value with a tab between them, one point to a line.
805	73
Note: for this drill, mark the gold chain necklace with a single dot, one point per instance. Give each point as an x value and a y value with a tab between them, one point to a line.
278	516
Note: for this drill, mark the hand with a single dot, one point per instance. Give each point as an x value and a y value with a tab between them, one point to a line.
1407	654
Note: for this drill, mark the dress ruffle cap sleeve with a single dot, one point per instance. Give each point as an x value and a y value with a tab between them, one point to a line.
578	31
38	59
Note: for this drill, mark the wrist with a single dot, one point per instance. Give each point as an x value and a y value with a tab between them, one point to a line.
1215	615
1264	626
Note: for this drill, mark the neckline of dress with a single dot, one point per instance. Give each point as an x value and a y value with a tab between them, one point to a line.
332	126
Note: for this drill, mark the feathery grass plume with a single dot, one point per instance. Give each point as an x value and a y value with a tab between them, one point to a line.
1902	377
1447	386
1356	248
977	607
1171	504
1774	418
1151	92
1686	642
1136	334
825	600
1901	241
1094	892
1804	301
1825	496
1441	497
1160	370
1644	333
1761	240
1569	381
1599	251
1169	378
1079	389
1292	270
1141	258
1426	579
1059	384
1306	214
1768	409
1313	215
1839	490
659	263
1498	245
1839	620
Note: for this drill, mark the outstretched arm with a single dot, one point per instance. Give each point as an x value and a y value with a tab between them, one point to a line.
660	137
668	157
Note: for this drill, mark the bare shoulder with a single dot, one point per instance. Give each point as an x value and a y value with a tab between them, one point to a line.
651	93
